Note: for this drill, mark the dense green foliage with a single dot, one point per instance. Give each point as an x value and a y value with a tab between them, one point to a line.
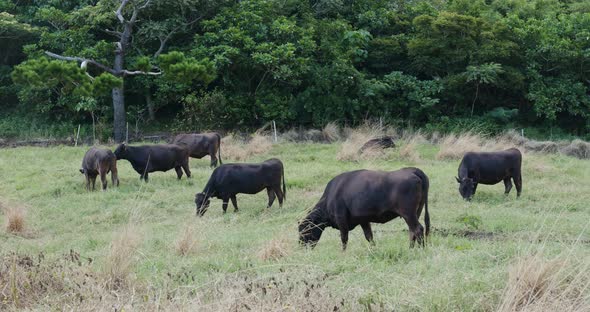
238	64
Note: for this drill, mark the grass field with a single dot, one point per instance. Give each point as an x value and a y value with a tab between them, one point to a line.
148	250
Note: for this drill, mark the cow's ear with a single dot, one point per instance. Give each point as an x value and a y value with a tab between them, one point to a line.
458	181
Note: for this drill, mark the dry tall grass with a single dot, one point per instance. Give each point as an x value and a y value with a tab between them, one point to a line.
349	150
121	256
187	242
15	216
331	132
536	284
453	147
275	249
235	149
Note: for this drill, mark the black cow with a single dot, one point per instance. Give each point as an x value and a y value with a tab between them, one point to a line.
365	196
490	168
381	142
202	144
230	179
98	161
150	158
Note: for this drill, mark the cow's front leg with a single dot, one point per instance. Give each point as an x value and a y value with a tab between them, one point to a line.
344	237
368	232
145	177
234	202
507	186
178	172
224	205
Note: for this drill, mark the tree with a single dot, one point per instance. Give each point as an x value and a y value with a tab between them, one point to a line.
482	74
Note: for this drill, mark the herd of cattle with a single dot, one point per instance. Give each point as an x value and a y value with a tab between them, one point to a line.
352	198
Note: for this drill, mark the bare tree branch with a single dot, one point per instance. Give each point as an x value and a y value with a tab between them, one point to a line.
83	61
119	12
114	33
139	72
164	40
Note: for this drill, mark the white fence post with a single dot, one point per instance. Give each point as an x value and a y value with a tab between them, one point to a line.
77	135
274	127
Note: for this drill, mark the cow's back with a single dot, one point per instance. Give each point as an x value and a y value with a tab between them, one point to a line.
198	144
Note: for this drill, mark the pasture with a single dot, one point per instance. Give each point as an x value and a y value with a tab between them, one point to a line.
140	246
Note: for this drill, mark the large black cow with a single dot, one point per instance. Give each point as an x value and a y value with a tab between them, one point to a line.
365	196
98	161
201	145
149	158
490	168
230	179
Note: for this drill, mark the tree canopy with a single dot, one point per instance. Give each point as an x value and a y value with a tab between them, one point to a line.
239	64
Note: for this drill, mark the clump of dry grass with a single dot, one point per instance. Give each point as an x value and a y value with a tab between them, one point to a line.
578	149
331	132
186	242
536	284
121	256
239	150
409	152
454	146
15	216
274	249
349	150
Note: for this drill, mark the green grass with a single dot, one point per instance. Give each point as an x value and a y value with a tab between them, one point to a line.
452	273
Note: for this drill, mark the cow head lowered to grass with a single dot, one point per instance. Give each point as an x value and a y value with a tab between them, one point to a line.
466	187
202	201
363	197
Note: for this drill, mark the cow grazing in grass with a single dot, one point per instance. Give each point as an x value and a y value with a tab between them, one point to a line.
96	162
230	179
149	158
490	168
378	143
201	144
363	197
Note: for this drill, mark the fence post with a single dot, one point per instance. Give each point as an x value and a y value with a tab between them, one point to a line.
77	136
274	127
127	134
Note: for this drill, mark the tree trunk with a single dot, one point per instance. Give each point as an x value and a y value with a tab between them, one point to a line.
150	105
118	95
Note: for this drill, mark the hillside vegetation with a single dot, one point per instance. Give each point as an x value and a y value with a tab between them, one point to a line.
141	247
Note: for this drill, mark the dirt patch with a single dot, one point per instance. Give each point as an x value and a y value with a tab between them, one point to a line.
470	234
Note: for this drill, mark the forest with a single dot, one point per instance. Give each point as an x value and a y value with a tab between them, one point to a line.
179	65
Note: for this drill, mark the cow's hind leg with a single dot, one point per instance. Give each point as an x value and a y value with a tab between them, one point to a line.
114	176
87	181
93	180
518	182
178	172
145	177
271	196
234	202
507	185
213	158
416	230
368	232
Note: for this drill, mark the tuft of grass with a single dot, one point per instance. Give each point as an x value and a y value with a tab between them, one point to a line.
239	150
577	148
275	249
537	284
15	216
453	147
186	243
331	132
121	256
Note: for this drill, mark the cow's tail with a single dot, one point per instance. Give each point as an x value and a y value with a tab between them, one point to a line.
284	188
425	187
219	148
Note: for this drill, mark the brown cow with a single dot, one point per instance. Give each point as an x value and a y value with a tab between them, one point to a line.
99	162
201	144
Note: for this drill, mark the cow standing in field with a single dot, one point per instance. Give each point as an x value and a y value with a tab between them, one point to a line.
149	158
230	179
490	168
363	197
200	145
96	162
